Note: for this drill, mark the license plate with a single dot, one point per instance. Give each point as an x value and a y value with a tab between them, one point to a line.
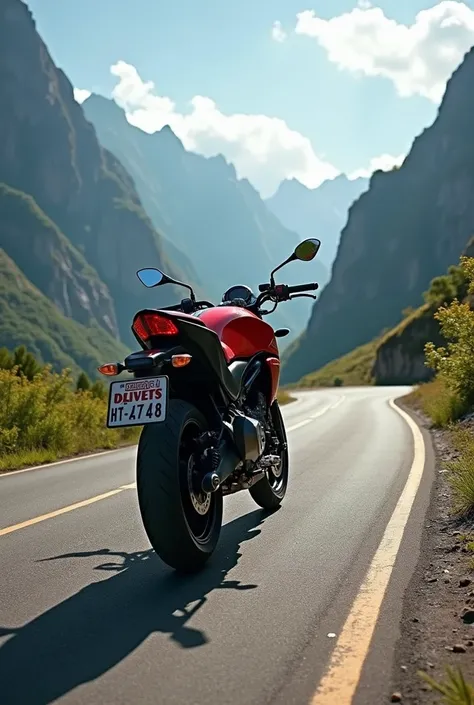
137	402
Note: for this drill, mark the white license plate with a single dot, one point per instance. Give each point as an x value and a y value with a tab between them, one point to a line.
137	402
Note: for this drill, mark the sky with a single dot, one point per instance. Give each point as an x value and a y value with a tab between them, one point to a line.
300	89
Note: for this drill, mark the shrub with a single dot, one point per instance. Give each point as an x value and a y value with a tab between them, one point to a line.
44	419
437	401
454	363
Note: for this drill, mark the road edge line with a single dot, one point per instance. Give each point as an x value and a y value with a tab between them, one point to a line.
341	679
86	456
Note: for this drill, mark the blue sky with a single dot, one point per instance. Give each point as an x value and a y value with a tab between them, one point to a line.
225	51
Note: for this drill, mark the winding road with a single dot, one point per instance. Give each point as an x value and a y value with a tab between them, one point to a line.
298	607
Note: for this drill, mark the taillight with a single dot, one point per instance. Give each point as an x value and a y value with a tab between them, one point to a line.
148	325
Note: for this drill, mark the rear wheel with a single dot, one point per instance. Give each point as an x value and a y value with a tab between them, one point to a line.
182	523
271	489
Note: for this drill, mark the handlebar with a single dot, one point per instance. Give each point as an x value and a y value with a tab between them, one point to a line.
302	287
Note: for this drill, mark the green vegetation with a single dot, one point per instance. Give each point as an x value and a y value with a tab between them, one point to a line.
28	318
284	397
353	369
451	394
455	690
44	418
454	362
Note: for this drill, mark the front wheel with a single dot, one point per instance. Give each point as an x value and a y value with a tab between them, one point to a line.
269	492
182	523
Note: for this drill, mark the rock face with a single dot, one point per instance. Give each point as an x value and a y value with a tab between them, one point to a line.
98	235
28	317
320	212
207	214
408	228
400	358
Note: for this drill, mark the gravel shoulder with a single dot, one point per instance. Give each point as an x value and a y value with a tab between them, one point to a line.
437	627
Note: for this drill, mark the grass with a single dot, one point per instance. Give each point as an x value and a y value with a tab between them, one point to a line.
284	397
437	401
454	690
461	471
353	369
45	420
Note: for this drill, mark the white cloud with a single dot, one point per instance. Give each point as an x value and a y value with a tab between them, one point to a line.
80	94
418	58
385	162
263	149
278	33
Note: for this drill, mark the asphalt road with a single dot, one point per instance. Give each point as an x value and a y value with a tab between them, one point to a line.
88	614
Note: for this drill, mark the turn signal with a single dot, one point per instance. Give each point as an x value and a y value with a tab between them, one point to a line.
111	369
181	360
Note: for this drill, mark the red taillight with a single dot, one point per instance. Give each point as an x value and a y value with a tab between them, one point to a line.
148	325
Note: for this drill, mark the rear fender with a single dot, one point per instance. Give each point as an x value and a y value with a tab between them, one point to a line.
146	362
203	344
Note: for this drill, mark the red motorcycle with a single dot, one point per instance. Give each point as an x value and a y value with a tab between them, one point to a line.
204	388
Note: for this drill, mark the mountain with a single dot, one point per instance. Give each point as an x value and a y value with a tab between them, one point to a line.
320	212
410	225
209	217
28	317
70	218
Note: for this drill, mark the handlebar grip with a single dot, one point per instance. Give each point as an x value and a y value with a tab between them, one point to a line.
302	287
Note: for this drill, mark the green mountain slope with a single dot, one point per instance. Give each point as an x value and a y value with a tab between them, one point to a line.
49	151
29	318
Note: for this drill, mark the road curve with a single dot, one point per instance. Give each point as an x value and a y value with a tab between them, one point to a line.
88	614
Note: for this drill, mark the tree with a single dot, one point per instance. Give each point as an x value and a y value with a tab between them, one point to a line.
99	390
83	383
26	363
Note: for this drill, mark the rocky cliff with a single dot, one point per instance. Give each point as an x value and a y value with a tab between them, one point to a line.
400	356
409	226
28	317
205	211
92	233
320	212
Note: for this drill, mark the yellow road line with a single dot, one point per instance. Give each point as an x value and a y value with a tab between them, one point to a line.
340	682
64	510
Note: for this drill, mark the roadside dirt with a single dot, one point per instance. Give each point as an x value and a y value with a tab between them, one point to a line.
438	619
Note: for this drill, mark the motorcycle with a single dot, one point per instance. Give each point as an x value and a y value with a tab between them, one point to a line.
204	388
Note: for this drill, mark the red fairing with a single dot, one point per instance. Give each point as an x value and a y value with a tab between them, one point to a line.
241	333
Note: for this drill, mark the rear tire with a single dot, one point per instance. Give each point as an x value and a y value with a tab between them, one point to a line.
182	535
269	492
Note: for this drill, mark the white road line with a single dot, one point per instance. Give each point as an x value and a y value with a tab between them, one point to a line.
343	674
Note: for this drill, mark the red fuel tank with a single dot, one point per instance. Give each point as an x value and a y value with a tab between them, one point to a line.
241	333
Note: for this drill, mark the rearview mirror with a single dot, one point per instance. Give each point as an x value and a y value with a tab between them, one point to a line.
307	250
151	277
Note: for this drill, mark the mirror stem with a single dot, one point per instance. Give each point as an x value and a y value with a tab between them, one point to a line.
291	258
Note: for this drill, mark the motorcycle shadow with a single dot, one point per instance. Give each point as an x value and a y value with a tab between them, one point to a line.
84	636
